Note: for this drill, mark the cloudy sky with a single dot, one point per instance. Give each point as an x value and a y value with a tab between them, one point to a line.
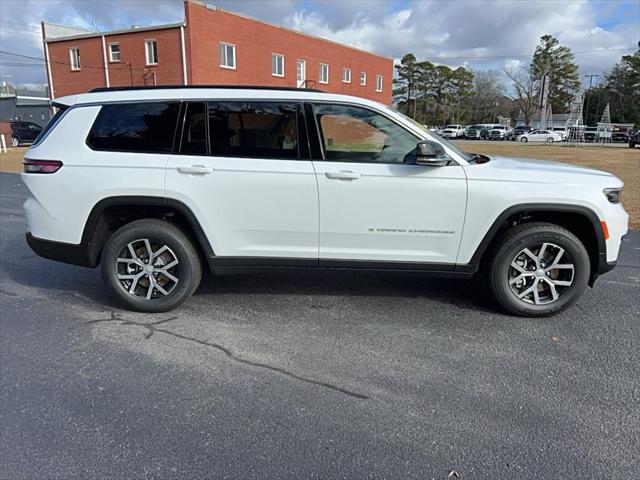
483	34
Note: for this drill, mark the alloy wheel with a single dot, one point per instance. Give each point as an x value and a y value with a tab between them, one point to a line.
147	270
537	276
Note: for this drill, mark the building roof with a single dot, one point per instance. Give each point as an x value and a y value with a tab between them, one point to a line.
90	34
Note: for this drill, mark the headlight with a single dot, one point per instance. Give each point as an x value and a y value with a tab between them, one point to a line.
613	194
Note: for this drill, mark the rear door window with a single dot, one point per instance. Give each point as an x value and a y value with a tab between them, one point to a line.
194	133
254	129
135	127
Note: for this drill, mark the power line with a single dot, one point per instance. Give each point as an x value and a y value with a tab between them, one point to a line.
126	65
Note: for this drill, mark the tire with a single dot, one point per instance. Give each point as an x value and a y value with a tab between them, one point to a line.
550	140
540	300
160	234
524	140
632	145
15	141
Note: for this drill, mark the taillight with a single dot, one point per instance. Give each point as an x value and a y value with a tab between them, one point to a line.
41	166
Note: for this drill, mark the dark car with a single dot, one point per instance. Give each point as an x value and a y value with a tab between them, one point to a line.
24	132
634	139
620	134
591	134
519	130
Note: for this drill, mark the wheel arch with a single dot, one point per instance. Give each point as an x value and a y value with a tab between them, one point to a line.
111	213
579	220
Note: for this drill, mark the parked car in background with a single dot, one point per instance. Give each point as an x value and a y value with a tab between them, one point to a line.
22	133
634	139
562	131
540	136
591	134
499	132
519	130
620	134
452	131
474	132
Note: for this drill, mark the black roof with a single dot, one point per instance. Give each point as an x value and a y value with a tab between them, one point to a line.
236	87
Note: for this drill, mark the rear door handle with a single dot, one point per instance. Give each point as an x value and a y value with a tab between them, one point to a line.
195	169
343	175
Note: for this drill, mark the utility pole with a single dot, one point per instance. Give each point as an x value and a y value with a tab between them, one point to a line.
590	77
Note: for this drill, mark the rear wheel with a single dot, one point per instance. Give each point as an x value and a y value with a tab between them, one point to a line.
15	141
550	140
151	266
538	269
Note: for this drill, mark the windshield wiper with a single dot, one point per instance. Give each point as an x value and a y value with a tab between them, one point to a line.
479	158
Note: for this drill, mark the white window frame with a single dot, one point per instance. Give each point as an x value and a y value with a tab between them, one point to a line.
75	66
146	51
275	56
346	75
363	78
379	81
320	73
225	64
111	59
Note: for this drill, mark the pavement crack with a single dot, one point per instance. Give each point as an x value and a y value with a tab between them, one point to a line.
153	327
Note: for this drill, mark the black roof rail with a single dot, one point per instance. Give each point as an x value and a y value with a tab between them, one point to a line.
173	87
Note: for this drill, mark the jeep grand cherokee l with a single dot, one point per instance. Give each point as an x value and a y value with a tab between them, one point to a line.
153	183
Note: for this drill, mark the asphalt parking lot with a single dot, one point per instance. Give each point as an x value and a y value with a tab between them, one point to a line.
311	376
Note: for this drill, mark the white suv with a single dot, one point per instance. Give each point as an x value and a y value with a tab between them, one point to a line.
152	183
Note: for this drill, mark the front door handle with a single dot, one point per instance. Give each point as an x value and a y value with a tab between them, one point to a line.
195	169
343	175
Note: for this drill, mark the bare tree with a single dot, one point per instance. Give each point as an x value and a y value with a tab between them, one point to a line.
525	86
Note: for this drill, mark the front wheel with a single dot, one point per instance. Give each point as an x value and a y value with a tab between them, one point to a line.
538	269
151	266
15	142
524	139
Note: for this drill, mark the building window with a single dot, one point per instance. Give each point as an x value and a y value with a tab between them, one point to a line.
323	74
74	54
346	75
114	52
277	65
378	83
228	55
151	50
363	78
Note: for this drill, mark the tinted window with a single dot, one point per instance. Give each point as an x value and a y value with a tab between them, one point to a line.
139	127
194	134
361	135
253	129
49	126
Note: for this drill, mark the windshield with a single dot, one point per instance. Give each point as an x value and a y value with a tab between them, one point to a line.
433	136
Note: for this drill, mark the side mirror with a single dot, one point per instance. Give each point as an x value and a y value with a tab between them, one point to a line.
431	153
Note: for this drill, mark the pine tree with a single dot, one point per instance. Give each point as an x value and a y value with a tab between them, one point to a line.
559	63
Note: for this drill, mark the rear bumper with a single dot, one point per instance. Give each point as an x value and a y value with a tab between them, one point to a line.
74	254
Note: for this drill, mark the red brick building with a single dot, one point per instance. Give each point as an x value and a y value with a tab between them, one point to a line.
211	47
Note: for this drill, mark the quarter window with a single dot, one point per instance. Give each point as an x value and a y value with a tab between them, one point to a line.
227	55
114	52
151	52
378	83
346	75
135	127
253	129
277	65
354	134
74	55
363	78
323	73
